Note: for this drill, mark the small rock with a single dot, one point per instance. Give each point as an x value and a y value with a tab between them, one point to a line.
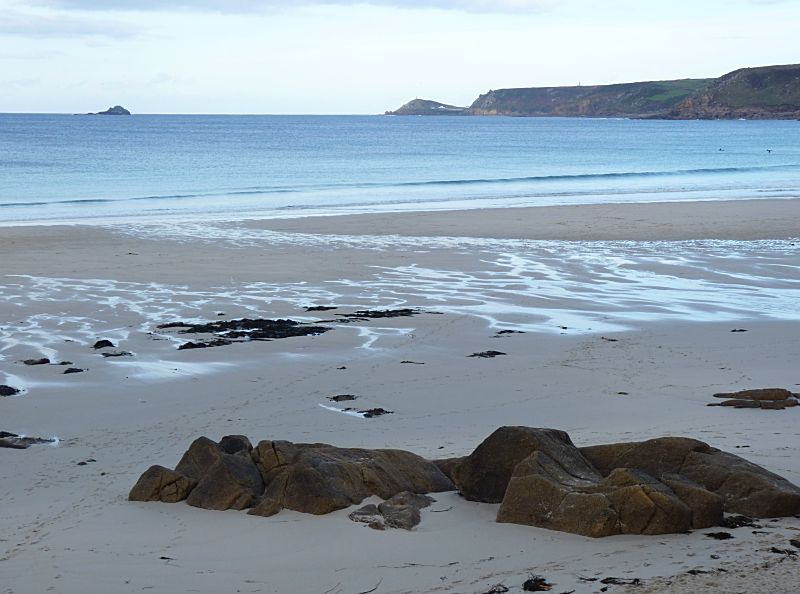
117	354
217	342
42	361
73	370
615	581
383	313
8	390
375	412
342	397
536	583
320	308
719	535
102	344
487	354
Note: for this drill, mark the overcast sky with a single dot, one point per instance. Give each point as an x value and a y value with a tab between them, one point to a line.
340	56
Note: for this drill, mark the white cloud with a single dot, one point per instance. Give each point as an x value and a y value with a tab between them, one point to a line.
37	25
487	6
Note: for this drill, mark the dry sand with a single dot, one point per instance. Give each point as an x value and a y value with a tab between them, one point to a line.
668	308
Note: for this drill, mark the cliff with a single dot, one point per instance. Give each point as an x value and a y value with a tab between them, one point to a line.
621	100
769	92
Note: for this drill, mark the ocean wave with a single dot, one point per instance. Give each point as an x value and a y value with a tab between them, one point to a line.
310	188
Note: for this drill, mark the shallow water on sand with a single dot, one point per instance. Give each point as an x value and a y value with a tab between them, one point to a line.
532	286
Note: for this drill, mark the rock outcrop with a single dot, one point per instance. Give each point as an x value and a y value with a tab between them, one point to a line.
744	487
21	442
539	477
763	398
318	478
8	390
484	474
116	110
161	484
276	475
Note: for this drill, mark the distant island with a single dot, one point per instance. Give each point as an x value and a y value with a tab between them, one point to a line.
766	93
116	110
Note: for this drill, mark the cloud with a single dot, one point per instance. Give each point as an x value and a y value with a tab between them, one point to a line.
497	6
21	24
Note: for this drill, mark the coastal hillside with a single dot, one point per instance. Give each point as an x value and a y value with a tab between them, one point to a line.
770	92
620	100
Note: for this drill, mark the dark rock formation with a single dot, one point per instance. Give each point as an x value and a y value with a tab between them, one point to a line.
744	487
8	390
217	342
764	398
102	344
161	484
232	482
16	442
487	354
485	473
318	478
115	354
229	331
116	110
70	370
370	314
625	502
236	444
427	107
43	361
539	477
202	454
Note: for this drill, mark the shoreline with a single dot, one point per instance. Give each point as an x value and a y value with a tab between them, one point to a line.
747	219
670	220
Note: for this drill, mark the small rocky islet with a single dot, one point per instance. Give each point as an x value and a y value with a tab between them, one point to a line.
538	476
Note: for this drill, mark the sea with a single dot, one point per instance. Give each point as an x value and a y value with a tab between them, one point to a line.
81	168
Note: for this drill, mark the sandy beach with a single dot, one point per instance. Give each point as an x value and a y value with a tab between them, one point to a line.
623	319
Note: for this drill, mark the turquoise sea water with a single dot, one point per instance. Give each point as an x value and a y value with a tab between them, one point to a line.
79	168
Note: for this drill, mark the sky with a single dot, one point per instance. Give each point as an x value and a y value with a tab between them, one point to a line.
353	57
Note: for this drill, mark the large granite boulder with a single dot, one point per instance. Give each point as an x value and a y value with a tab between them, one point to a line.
232	482
485	473
744	487
319	478
161	484
199	458
542	492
